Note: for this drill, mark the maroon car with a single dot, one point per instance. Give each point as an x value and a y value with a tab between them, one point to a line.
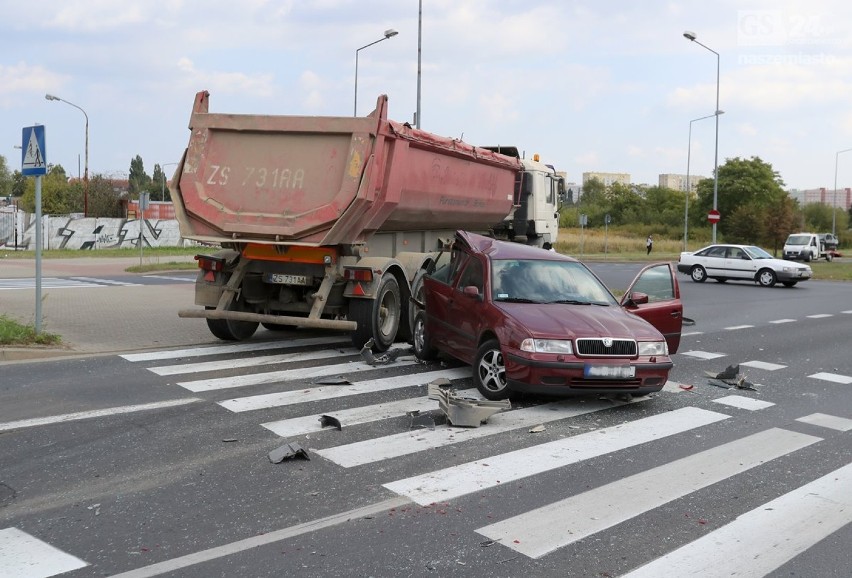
530	320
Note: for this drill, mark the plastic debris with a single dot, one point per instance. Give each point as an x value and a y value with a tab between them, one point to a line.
330	421
288	450
729	379
537	429
420	420
339	380
385	358
464	411
685	386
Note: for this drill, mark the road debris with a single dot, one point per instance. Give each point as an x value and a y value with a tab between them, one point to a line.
288	450
385	358
330	421
420	420
464	411
730	378
537	429
339	380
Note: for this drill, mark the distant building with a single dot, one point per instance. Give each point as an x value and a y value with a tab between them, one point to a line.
678	182
841	198
607	179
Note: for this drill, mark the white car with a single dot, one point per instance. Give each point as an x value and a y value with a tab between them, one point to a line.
741	262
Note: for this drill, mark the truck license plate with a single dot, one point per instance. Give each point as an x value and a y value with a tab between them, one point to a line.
609	371
282	279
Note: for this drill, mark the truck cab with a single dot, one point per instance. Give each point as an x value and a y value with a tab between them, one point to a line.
809	247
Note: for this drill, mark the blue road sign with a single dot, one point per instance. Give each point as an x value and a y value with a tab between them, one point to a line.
33	155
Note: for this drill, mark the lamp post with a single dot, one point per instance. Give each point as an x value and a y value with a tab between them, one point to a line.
388	34
419	52
688	187
691	36
834	204
163	184
86	169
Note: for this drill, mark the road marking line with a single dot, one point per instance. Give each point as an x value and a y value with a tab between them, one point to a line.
819	316
265	401
703	354
829	421
546	529
735	327
246	362
743	402
763	365
833	377
783	321
25	556
10	425
409	442
455	481
105	281
763	539
166	277
227	349
255	541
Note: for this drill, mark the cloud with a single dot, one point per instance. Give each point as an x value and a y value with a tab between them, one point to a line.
20	81
225	82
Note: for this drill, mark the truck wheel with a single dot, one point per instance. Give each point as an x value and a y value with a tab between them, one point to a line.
377	318
829	257
698	274
489	371
423	348
808	257
230	330
766	278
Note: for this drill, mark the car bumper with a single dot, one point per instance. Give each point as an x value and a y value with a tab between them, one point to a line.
567	377
793	275
681	268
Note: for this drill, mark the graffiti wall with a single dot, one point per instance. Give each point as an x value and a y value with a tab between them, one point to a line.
18	230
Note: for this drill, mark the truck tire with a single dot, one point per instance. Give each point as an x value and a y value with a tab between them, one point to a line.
230	330
377	318
829	257
808	257
423	348
489	371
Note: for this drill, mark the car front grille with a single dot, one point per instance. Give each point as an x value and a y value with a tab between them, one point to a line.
595	347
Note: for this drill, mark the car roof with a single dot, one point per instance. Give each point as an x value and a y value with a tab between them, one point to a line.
496	249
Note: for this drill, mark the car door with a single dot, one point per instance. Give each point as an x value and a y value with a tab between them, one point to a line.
654	295
465	309
437	295
738	264
713	261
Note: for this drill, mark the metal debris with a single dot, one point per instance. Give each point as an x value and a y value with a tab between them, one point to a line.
288	450
330	421
385	358
420	420
465	411
730	378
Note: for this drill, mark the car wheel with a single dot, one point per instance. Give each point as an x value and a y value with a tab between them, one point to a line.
789	283
766	278
423	348
698	274
489	371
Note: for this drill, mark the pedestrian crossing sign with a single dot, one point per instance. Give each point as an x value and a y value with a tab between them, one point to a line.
33	157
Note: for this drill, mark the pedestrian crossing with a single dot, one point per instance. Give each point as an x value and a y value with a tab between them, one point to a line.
62	283
313	377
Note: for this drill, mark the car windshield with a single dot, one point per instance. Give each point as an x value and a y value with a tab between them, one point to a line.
798	240
757	253
534	281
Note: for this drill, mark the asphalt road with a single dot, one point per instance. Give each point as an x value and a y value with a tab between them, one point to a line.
694	480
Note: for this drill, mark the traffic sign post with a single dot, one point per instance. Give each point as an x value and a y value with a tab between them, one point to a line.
34	164
713	216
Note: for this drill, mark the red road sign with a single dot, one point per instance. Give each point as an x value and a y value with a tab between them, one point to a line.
713	216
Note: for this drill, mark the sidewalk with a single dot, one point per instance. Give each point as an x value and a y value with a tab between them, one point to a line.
100	320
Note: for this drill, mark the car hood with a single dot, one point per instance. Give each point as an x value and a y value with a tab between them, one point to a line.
562	321
780	264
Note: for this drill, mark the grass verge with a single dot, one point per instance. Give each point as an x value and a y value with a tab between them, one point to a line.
18	334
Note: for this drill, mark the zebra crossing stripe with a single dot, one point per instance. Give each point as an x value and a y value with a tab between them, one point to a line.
829	421
546	529
743	402
452	482
244	362
396	445
702	354
763	539
228	349
321	393
25	556
105	281
763	365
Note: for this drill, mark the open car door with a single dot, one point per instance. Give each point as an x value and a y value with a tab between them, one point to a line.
654	295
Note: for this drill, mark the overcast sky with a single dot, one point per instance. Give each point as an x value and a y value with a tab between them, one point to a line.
590	85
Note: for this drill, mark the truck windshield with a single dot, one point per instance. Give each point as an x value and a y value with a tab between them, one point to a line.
798	240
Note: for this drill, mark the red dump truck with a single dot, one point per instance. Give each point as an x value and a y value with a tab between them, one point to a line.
329	222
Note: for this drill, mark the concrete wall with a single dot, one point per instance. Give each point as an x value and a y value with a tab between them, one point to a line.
74	232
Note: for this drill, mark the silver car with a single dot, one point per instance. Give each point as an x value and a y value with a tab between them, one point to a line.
743	263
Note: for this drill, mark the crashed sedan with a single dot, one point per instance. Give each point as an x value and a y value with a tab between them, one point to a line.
535	321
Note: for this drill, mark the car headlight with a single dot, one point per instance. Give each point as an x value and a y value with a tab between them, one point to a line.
649	348
547	346
789	269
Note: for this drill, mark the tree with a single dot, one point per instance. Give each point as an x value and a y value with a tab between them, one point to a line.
104	201
19	184
138	179
741	182
58	197
6	181
158	186
780	220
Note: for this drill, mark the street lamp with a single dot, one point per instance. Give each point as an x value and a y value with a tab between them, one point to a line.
163	183
86	169
419	53
691	36
388	33
688	187
834	204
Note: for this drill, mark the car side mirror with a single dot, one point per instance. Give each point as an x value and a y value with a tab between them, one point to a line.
636	298
471	291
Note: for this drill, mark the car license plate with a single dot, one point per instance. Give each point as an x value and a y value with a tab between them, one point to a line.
282	279
609	371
